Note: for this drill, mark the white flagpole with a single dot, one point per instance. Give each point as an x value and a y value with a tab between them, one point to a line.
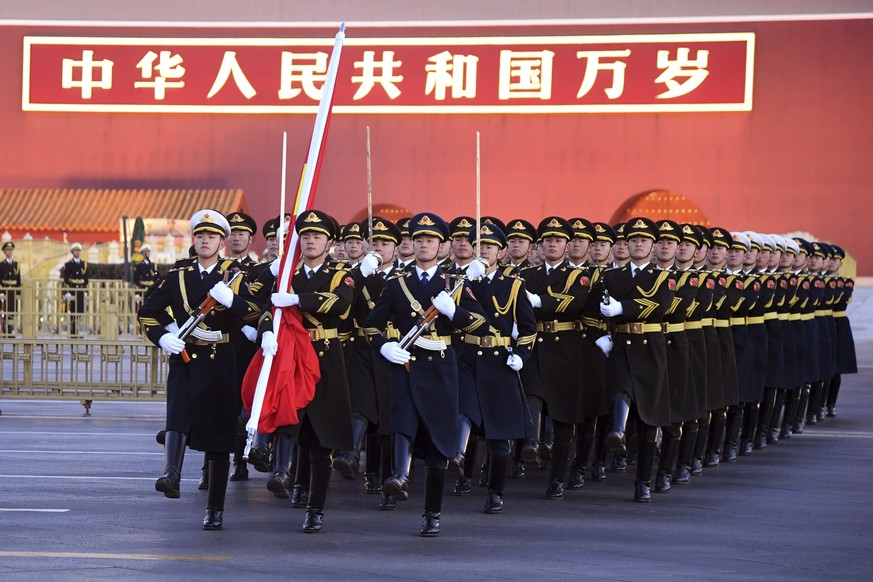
303	195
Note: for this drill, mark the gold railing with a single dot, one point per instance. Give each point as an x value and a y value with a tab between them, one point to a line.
44	308
86	370
106	359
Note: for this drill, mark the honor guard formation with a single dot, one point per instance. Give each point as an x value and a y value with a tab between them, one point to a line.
574	346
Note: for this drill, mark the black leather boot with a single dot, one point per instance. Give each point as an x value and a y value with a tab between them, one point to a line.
670	445
733	425
174	454
642	492
203	485
300	492
320	477
217	490
485	469
648	442
456	464
347	463
372	482
615	437
259	455
496	483
833	392
584	442
802	405
279	482
716	437
397	484
434	482
560	452
792	404
240	467
686	452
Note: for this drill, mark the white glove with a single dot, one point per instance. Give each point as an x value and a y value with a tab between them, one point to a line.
136	297
170	343
283	228
274	267
269	344
250	333
392	352
611	309
285	299
514	362
3	296
514	333
172	327
535	300
476	269
444	304
369	264
605	345
222	294
68	296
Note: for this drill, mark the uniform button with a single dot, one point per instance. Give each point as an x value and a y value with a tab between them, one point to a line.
193	356
645	341
496	314
539	339
557	338
496	353
320	354
628	342
430	358
479	353
412	358
413	314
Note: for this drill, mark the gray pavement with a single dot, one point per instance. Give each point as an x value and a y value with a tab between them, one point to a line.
77	502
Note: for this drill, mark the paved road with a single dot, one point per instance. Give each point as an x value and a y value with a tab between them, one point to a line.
77	502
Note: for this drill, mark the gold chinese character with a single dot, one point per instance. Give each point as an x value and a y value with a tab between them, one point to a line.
593	65
679	68
456	71
306	69
368	77
169	66
86	81
525	74
230	66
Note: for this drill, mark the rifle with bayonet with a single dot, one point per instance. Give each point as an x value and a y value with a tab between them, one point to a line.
422	326
190	327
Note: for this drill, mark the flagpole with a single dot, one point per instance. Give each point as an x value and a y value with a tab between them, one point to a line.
478	197
369	196
279	233
303	202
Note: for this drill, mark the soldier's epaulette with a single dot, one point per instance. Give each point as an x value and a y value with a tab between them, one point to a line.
528	268
397	275
183	263
338	264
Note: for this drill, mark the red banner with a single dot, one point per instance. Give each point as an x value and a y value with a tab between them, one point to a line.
557	74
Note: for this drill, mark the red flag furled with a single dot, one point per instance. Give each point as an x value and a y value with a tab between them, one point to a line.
273	399
293	376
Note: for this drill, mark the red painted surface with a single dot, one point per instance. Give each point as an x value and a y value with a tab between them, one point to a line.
798	161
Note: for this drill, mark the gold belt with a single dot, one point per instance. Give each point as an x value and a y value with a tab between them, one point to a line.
322	334
488	341
839	314
693	325
10	283
196	341
795	317
735	321
824	312
673	327
771	315
638	328
807	317
707	321
722	323
593	322
556	326
346	335
784	316
434	337
755	320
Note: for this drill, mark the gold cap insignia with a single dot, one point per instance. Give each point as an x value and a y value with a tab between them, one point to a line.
687	229
465	223
599	228
578	224
206	218
380	226
640	223
518	226
354	228
237	218
426	221
666	226
486	230
554	223
312	217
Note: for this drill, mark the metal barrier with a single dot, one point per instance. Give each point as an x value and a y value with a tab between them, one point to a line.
53	351
86	370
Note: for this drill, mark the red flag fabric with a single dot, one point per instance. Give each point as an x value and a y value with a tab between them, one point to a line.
293	376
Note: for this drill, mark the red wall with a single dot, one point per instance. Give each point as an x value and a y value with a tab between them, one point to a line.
798	161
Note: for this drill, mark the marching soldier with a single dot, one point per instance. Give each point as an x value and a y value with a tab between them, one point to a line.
10	281
639	295
75	278
845	361
551	377
368	373
491	396
202	394
145	273
323	295
423	378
